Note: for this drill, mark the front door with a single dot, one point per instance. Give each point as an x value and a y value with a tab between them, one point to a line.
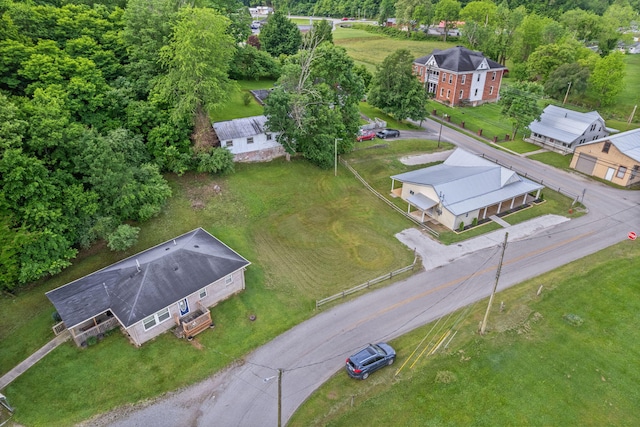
184	307
609	174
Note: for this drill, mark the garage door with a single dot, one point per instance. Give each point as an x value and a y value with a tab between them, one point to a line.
585	163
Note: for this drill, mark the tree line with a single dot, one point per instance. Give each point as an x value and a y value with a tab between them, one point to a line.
99	99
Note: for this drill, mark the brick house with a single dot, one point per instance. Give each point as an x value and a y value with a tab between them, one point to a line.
459	76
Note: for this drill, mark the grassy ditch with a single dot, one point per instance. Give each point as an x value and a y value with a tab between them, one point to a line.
561	358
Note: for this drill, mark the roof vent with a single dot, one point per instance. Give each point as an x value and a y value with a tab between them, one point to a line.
196	246
166	249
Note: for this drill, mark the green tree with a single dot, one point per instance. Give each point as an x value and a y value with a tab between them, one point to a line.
280	36
405	14
321	31
123	237
482	12
215	161
607	79
395	90
447	11
547	57
519	103
315	103
582	24
197	61
385	11
567	78
252	64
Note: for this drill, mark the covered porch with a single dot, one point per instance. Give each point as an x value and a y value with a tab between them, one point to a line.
94	327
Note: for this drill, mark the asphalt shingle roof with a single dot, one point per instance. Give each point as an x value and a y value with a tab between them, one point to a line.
149	281
459	59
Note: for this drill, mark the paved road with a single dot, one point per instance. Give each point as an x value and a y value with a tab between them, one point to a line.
310	353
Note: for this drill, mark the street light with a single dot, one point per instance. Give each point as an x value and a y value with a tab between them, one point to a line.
335	161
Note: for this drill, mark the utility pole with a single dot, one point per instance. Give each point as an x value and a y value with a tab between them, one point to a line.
440	133
566	94
335	161
495	286
279	397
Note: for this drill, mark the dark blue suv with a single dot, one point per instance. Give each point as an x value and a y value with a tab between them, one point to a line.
369	360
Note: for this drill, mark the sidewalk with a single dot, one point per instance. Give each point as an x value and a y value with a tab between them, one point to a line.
7	378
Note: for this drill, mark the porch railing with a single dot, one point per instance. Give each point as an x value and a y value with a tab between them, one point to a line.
101	328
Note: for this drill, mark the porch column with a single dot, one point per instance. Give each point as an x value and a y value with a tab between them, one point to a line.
524	199
408	208
422	220
538	194
499	207
512	202
484	214
393	181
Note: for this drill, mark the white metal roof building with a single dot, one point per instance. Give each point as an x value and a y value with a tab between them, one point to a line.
561	130
463	188
248	139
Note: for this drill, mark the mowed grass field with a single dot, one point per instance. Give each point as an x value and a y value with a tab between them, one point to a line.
564	358
308	235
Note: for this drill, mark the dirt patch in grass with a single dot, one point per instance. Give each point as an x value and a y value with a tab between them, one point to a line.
201	193
519	319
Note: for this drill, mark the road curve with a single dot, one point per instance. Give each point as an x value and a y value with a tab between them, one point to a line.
311	352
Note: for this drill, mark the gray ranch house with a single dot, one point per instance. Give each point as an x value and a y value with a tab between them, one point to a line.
562	130
248	139
170	285
462	189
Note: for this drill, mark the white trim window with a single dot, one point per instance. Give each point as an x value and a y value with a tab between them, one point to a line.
490	90
463	79
156	319
461	94
250	140
444	77
228	280
228	143
269	136
203	293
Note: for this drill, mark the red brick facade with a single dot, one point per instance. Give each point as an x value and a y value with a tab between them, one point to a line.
460	77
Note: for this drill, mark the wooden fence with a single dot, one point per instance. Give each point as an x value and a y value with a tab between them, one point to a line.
366	284
389	202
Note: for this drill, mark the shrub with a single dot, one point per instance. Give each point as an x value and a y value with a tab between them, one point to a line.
92	340
246	98
123	238
218	160
461	226
573	319
56	317
474	222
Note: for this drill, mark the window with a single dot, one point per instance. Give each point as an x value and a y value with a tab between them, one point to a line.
448	93
606	146
149	322
228	144
490	90
493	77
155	319
621	171
441	91
463	79
475	93
228	280
634	171
411	192
444	77
250	140
461	93
450	78
269	136
478	77
203	293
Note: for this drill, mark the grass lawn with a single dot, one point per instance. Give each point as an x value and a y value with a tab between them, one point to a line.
553	159
235	107
374	113
371	49
308	235
380	161
564	358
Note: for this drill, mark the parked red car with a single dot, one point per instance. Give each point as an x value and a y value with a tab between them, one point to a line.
366	135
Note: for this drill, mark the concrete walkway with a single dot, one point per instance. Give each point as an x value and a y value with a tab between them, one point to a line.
499	221
6	379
